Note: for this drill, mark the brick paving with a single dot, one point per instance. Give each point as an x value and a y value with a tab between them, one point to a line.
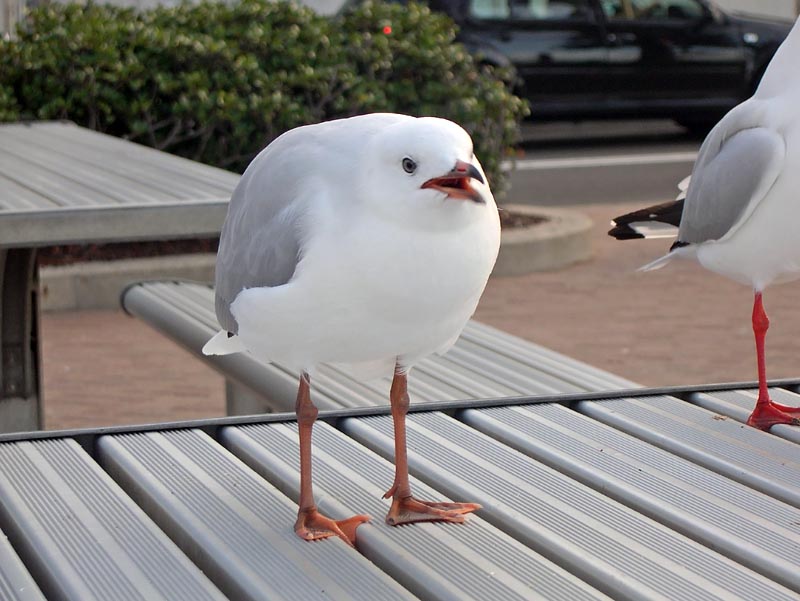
679	325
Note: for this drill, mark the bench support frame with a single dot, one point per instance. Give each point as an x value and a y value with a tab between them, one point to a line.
20	352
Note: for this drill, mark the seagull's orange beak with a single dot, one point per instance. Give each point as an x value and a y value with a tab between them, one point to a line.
456	183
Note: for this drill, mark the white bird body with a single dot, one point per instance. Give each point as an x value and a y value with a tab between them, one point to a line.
387	272
364	242
763	247
369	290
745	183
739	215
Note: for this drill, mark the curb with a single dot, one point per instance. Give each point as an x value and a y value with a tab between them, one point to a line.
97	284
562	240
559	242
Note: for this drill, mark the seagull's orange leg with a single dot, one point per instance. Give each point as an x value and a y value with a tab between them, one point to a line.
766	413
405	508
310	524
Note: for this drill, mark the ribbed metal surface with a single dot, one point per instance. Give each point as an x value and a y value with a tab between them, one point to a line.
233	523
61	183
739	404
16	584
81	537
60	164
484	363
435	561
625	553
598	496
750	527
747	455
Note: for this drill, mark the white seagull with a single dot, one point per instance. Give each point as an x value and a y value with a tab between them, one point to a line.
739	217
366	242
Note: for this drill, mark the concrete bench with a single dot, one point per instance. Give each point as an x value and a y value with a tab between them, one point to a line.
484	363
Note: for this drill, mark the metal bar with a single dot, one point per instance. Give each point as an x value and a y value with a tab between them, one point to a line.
618	551
16	583
86	436
699	503
113	223
20	382
81	536
757	459
739	404
233	524
437	562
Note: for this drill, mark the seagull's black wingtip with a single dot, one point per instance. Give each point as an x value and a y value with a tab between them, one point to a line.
624	232
667	214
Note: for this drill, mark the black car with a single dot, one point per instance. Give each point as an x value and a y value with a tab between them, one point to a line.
681	59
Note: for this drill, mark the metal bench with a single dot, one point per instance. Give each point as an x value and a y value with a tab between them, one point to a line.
629	495
64	184
485	362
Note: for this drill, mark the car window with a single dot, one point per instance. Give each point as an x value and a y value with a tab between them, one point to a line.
489	9
530	9
652	10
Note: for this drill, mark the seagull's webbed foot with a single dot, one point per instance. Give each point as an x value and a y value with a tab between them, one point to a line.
795	411
312	525
407	510
766	415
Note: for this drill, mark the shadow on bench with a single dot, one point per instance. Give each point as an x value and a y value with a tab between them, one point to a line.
484	363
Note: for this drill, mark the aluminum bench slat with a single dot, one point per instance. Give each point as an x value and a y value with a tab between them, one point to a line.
117	187
19	197
757	459
541	358
46	183
157	161
574	508
16	583
437	562
81	537
618	550
92	161
198	300
232	523
738	404
518	378
485	362
743	524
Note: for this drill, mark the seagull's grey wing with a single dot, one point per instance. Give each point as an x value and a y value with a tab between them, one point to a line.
737	165
261	240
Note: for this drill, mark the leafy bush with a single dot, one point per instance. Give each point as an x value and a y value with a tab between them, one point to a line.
9	110
216	82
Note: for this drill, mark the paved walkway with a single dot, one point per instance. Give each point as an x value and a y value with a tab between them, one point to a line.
679	325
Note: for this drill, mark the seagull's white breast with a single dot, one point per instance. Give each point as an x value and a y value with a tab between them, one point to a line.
370	289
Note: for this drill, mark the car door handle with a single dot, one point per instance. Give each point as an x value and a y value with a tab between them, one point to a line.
622	38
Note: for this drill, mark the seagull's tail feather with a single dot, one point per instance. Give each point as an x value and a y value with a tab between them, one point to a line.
658	263
222	343
683	187
659	221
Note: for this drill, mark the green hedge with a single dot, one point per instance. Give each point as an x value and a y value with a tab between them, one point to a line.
9	110
216	82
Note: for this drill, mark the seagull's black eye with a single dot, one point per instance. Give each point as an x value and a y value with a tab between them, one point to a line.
409	166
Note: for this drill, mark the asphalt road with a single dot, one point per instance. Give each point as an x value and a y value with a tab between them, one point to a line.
601	162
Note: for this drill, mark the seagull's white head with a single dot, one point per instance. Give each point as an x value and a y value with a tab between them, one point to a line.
424	166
